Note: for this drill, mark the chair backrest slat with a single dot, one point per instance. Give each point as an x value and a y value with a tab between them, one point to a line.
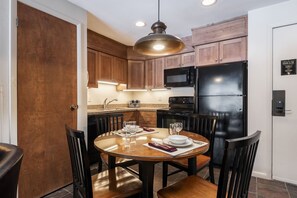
238	162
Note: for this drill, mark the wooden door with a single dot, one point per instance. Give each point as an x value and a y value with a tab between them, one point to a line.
188	59
92	68
159	73
172	61
207	54
233	50
149	74
119	70
136	75
105	66
47	78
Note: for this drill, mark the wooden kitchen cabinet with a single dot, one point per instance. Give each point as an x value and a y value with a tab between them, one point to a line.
154	73
130	116
159	73
149	74
105	66
147	119
172	61
188	59
119	70
92	68
231	50
180	60
207	54
136	78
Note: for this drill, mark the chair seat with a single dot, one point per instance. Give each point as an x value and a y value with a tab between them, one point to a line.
115	183
201	162
190	187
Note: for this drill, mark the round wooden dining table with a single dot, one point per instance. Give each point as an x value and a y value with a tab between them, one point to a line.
116	146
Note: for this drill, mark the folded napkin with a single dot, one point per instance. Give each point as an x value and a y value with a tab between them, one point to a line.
147	129
162	146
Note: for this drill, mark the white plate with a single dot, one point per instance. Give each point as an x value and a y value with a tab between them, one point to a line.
188	143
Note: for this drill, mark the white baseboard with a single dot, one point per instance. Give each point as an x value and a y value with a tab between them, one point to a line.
261	175
285	180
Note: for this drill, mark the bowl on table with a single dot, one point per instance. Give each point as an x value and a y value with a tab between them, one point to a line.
177	139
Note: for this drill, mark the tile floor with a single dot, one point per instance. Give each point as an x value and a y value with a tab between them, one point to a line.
259	188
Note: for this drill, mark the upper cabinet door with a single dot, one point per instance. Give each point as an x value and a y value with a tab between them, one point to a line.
149	74
207	54
159	73
136	75
105	66
172	61
188	59
119	70
233	50
92	68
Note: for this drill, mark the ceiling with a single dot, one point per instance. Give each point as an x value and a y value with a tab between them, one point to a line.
116	18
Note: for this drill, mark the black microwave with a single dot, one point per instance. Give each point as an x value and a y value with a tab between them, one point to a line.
180	77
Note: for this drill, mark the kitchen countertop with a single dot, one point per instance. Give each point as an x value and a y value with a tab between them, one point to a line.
121	109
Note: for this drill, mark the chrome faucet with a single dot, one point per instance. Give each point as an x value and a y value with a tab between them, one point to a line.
105	103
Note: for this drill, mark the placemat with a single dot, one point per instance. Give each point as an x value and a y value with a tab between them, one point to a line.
179	150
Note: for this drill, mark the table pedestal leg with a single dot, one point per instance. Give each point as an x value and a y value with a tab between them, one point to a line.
111	162
146	171
192	166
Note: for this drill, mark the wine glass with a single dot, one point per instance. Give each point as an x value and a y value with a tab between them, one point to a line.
178	127
129	130
171	129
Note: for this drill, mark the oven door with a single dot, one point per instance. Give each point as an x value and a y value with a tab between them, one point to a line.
164	118
179	77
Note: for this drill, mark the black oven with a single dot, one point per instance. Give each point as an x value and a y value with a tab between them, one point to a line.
180	110
166	117
180	77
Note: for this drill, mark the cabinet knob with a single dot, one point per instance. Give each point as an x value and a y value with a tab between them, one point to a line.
221	59
216	60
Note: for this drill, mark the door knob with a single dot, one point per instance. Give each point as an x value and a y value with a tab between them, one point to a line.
73	107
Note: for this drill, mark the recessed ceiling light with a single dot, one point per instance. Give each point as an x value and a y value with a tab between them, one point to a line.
140	24
208	2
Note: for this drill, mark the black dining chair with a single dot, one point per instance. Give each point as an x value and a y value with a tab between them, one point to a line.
204	125
10	163
107	123
110	183
235	174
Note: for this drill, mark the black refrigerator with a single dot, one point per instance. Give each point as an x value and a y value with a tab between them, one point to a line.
222	91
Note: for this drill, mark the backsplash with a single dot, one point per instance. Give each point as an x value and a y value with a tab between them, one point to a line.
96	96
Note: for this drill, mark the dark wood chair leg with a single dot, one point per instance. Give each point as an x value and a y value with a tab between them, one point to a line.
164	174
211	174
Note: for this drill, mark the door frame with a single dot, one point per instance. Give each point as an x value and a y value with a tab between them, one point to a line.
64	13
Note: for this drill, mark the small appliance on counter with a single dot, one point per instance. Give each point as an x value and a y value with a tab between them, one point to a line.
134	103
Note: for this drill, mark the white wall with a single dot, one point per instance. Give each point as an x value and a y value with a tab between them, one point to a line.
7	70
8	46
261	22
97	95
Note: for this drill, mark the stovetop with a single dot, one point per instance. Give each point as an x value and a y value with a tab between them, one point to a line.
180	104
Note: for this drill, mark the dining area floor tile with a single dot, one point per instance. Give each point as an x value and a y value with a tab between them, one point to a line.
259	188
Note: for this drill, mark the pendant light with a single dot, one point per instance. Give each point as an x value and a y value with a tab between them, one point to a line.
158	43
